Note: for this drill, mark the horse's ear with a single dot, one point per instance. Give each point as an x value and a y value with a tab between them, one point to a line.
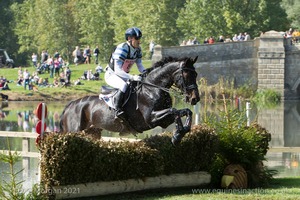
195	59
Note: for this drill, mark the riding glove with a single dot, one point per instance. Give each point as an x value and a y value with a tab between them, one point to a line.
136	78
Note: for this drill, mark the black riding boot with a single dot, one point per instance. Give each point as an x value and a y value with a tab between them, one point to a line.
118	103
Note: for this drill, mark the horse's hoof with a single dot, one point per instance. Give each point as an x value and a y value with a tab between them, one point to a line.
175	141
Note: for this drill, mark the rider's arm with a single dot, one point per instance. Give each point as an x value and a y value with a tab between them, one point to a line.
140	65
139	61
119	71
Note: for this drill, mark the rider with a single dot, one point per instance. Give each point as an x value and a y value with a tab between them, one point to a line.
121	61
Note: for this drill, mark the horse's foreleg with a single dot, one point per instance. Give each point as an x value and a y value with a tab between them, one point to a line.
157	116
181	129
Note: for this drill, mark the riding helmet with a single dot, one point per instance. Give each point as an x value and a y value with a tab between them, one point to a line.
133	32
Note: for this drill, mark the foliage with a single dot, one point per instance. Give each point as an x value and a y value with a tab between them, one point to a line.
292	8
30	26
240	144
205	18
213	93
12	189
76	158
200	141
266	98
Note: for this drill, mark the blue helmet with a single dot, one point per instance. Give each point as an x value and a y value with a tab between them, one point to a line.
133	32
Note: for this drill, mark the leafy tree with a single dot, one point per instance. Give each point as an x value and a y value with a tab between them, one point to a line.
91	18
156	18
7	35
203	18
292	8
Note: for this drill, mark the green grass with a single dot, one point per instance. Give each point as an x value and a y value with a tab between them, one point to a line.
88	87
280	188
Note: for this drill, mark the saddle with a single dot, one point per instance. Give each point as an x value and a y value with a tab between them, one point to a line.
107	94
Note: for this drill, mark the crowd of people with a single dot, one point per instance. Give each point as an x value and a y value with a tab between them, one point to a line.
85	55
211	40
33	80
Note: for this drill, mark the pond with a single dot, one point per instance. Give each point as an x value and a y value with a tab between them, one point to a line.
282	121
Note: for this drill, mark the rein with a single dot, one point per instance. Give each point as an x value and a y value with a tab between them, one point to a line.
184	86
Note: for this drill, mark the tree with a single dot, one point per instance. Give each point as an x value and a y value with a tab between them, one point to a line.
91	17
7	35
203	18
292	8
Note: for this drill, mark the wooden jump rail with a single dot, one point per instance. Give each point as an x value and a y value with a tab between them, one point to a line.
25	143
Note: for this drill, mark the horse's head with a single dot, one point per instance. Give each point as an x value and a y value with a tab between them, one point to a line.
186	80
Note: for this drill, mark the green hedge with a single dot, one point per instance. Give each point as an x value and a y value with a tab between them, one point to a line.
76	158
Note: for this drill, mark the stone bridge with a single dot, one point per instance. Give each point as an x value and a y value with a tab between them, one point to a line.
267	62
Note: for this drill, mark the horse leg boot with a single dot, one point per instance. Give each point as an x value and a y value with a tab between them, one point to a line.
118	104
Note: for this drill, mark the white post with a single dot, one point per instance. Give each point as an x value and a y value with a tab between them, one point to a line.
43	119
197	113
248	113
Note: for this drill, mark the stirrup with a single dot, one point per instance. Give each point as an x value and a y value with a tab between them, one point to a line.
119	114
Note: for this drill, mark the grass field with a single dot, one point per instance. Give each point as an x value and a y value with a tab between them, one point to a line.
279	189
88	88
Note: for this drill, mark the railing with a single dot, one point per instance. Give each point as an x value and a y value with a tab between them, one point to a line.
25	143
25	153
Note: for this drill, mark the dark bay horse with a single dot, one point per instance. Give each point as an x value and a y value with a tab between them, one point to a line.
148	103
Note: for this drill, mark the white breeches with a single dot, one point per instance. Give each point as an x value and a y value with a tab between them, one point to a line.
115	81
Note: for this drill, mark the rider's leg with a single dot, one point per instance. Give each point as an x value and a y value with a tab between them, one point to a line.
118	103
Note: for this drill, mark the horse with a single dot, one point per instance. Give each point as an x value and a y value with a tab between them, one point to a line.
147	104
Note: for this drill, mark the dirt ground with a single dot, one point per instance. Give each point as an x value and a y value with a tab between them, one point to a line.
13	96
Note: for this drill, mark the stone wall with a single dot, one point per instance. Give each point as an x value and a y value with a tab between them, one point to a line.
268	62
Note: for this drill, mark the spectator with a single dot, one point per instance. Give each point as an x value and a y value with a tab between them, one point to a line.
247	37
183	43
77	55
20	71
34	59
211	40
62	78
235	38
20	80
50	66
189	42
195	41
77	82
56	64
4	84
44	56
56	54
151	49
96	76
99	69
221	38
87	55
96	54
68	75
26	76
55	82
205	41
241	37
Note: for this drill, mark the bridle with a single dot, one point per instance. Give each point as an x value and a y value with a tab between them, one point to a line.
183	84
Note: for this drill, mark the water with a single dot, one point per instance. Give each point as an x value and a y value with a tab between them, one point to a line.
283	122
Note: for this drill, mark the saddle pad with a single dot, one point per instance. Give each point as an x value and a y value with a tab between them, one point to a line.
108	99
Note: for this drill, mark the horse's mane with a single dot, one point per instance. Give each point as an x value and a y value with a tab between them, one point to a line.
165	60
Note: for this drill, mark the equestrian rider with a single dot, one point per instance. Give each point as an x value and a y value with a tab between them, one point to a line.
121	61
